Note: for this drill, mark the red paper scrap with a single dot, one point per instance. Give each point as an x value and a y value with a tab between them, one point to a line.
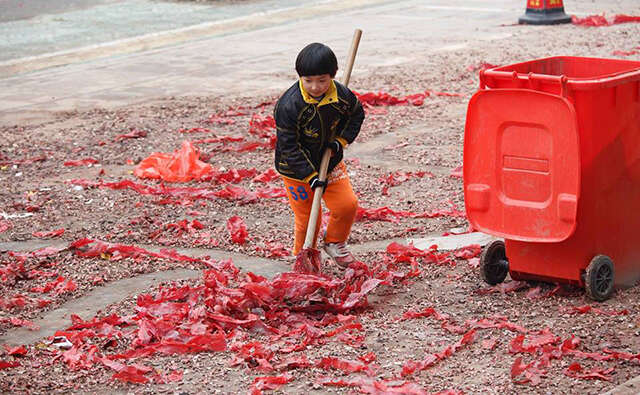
622	18
174	376
525	373
398	177
19	350
294	362
342	365
217	140
507	287
590	309
371	99
237	229
133	134
575	370
53	233
230	176
387	214
7	364
5	226
626	53
430	360
426	312
489	344
368	358
274	249
268	383
536	341
4	160
262	126
195	130
602	20
224	117
59	286
496	322
402	253
81	162
266	176
481	66
24	323
468	252
132	374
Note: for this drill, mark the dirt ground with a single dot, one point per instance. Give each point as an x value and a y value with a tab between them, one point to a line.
515	338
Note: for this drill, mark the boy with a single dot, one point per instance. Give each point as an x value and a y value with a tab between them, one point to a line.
315	113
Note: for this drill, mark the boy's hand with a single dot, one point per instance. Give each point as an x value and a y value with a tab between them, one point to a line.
316	183
335	146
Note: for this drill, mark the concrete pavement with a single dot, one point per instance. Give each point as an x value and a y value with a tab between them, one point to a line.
252	54
248	51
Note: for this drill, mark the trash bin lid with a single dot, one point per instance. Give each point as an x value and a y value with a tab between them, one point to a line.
521	165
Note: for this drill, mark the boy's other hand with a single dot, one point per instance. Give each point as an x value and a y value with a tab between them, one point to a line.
316	183
335	146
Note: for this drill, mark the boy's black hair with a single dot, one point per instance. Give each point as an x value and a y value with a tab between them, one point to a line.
316	59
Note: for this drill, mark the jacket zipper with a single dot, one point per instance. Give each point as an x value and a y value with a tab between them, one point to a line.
322	134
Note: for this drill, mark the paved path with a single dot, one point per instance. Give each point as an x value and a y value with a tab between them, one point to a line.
631	387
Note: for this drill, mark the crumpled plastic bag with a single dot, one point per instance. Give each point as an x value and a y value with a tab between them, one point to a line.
181	166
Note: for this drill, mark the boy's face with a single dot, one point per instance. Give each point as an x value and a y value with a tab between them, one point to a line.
316	85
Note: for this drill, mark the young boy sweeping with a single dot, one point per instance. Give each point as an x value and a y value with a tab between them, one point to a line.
317	113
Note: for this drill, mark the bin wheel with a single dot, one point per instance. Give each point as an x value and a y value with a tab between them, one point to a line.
494	265
598	278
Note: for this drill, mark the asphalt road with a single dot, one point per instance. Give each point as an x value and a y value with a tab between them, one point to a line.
13	10
64	25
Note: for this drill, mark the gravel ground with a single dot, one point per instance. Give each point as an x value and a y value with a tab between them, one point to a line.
38	194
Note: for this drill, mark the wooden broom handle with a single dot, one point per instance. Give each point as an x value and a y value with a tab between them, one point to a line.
352	57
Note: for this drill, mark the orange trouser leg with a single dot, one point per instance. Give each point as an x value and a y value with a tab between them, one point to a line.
300	200
343	205
339	199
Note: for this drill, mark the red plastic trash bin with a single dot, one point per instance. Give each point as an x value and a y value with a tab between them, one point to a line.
552	165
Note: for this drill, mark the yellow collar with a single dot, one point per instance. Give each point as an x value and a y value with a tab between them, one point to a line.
331	96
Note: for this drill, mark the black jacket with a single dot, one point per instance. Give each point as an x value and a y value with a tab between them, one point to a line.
305	127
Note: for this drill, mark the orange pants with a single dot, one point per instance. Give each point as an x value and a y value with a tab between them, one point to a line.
339	199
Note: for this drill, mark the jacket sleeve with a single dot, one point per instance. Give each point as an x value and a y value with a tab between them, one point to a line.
356	117
293	160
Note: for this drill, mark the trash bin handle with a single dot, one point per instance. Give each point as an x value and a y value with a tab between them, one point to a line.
606	82
565	83
532	79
